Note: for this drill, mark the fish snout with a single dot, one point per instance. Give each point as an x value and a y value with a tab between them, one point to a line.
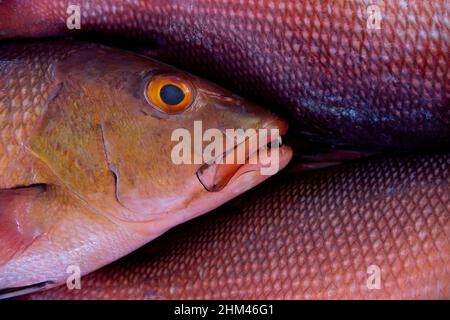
238	112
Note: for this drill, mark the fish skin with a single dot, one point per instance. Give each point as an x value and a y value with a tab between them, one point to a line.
86	174
315	61
307	236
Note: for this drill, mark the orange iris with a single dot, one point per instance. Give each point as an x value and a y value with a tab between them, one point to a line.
169	93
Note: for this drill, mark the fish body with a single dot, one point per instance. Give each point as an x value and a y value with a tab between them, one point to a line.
86	167
373	73
372	229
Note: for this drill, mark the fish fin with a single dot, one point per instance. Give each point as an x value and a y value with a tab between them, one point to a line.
17	231
19	291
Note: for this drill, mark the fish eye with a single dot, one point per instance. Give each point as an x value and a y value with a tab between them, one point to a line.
169	93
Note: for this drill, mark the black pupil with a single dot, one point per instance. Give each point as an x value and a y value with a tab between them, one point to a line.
171	94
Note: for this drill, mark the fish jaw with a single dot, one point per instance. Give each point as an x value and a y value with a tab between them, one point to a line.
202	201
215	174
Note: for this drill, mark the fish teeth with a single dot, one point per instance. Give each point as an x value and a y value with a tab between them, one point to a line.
279	140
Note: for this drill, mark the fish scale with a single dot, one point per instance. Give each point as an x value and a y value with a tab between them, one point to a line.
307	236
19	110
318	62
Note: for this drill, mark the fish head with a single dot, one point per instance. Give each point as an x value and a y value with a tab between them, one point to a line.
128	135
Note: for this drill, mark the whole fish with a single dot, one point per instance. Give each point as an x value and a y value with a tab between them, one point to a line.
86	167
369	229
364	72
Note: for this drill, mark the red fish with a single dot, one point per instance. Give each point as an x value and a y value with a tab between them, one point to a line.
361	72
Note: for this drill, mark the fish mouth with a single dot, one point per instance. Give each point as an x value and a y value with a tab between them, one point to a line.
216	176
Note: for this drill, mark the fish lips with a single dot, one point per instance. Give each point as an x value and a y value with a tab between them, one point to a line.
215	175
